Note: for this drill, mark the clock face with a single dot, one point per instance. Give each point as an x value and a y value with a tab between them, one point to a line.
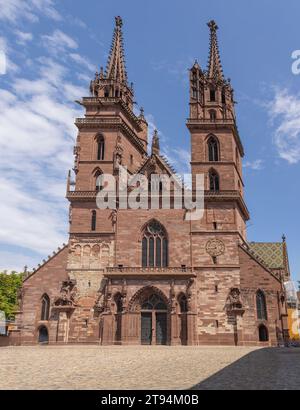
215	247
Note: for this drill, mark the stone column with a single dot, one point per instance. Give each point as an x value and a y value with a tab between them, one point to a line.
63	327
191	328
175	329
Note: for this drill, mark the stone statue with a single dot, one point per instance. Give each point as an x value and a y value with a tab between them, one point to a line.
234	299
68	294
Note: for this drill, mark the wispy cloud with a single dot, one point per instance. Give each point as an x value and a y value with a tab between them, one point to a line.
256	165
177	69
37	135
7	66
22	37
284	112
59	41
14	10
83	61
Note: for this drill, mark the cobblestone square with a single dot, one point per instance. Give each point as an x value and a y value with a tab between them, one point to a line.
139	367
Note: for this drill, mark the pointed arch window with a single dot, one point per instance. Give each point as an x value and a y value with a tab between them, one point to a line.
98	180
212	115
213	149
100	148
154	246
261	305
94	221
183	303
45	308
212	94
214	181
223	96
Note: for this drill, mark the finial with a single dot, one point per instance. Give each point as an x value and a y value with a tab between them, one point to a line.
283	238
212	25
196	64
142	112
119	22
155	143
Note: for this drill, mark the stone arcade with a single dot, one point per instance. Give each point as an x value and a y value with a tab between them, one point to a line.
150	276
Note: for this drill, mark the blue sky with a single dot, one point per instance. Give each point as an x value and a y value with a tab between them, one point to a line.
52	50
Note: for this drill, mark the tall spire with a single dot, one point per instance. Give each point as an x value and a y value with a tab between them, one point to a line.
214	69
115	69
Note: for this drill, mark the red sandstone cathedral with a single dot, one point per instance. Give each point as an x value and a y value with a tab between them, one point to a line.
150	276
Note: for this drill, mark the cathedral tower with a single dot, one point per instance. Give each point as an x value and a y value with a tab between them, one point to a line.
216	148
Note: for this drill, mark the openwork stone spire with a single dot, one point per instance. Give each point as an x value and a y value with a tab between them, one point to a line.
112	85
115	69
214	69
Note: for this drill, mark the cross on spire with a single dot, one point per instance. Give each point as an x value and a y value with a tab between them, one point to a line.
115	69
214	69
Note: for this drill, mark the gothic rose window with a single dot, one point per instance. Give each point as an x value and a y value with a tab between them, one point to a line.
154	246
261	305
213	149
45	310
100	148
214	182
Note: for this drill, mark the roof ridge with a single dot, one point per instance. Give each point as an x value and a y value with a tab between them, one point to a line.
45	261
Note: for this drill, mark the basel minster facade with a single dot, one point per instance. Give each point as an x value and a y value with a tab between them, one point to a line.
150	276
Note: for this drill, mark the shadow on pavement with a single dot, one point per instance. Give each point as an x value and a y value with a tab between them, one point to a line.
263	369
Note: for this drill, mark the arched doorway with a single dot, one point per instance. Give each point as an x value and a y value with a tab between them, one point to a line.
263	333
43	335
154	321
118	317
182	300
154	309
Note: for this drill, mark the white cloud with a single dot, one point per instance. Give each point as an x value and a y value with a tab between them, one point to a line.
7	66
81	60
256	165
15	10
15	260
284	111
37	135
22	37
178	69
59	41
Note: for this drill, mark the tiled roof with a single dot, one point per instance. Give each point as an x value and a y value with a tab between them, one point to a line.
272	253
